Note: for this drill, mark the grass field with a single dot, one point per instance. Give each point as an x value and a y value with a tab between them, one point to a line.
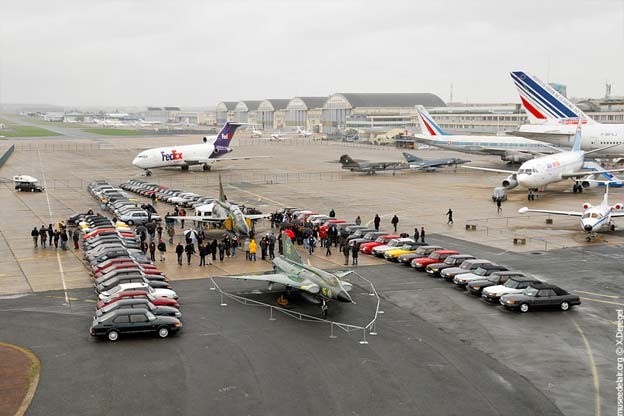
115	132
44	123
16	130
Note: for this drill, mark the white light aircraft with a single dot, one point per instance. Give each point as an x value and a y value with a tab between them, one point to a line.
303	133
594	219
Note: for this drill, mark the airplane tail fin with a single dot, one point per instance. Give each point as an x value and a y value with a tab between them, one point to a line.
411	158
543	104
576	147
346	160
225	135
222	196
289	249
428	127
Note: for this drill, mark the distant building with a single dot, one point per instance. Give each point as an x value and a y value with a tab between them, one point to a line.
272	114
156	114
374	111
246	111
225	111
479	118
305	112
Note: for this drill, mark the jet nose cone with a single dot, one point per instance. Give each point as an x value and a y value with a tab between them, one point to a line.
588	227
343	296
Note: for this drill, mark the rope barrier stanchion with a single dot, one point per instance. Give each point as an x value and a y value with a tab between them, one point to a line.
331	331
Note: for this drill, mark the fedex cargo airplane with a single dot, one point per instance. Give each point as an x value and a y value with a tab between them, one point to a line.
211	150
553	118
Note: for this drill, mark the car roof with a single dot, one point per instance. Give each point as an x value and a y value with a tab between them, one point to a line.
524	278
507	273
452	252
542	285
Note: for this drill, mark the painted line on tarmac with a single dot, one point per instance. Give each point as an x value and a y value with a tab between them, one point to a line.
603	301
17	261
257	195
594	370
597	294
58	256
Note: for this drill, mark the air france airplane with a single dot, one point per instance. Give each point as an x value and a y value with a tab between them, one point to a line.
593	218
212	150
542	171
510	149
553	117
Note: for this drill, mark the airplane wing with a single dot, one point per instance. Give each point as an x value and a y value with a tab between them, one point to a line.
257	216
281	279
197	218
546	211
617	214
341	275
490	169
437	164
239	158
588	172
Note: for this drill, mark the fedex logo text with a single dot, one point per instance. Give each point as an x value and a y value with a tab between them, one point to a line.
174	155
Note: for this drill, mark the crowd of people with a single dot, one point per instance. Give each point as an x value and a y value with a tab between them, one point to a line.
48	236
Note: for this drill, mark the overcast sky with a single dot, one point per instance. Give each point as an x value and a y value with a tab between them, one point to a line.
196	53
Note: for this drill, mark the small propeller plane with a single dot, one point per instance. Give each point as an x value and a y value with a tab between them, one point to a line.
594	219
315	285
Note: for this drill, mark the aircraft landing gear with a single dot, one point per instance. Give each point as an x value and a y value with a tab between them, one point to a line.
590	237
324	309
185	168
148	172
577	188
207	167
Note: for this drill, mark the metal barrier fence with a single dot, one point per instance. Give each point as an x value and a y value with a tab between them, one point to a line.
7	155
48	146
299	141
370	326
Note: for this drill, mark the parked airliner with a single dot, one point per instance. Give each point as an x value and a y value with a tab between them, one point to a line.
211	150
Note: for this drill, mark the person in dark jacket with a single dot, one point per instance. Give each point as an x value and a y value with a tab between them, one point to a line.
271	241
354	253
43	236
345	251
395	222
152	250
422	234
416	234
35	235
179	252
50	234
214	246
377	222
189	249
57	237
76	239
162	248
202	254
263	248
64	239
221	247
208	245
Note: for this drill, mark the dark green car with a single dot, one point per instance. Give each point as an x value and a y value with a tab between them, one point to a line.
133	321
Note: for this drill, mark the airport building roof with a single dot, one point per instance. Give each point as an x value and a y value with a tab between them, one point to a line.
381	100
247	105
226	105
273	104
307	103
172	108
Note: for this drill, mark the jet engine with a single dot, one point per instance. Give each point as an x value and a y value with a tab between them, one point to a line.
516	157
586	205
589	184
510	182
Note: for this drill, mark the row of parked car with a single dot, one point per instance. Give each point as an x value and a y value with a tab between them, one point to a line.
119	203
166	194
492	282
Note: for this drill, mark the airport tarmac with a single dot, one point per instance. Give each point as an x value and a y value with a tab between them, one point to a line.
567	357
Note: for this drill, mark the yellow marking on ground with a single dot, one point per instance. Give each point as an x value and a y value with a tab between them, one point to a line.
61	297
597	294
90	300
603	301
260	197
594	370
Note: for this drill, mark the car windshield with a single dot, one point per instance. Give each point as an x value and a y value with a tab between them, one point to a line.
511	284
407	247
493	278
394	243
530	291
434	256
466	265
480	271
114	290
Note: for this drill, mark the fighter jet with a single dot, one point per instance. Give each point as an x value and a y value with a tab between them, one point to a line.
593	218
220	211
370	168
315	285
432	164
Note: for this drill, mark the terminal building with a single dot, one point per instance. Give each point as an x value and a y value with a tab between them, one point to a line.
271	114
373	111
225	111
305	112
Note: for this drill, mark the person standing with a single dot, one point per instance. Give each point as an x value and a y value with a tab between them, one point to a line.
377	221
43	235
271	247
355	249
234	243
179	252
328	246
345	252
449	214
159	230
332	213
35	235
76	239
64	239
57	237
152	250
208	251
416	234
182	214
246	248
395	222
221	246
162	247
253	247
170	233
202	254
213	248
499	202
422	234
189	249
358	220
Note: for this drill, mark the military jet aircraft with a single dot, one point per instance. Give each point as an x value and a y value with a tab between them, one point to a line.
219	211
315	285
417	163
370	168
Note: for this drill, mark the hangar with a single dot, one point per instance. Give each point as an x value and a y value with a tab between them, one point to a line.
305	112
225	111
272	114
376	110
246	111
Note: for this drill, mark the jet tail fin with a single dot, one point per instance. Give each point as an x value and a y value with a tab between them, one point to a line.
543	104
411	158
576	147
289	249
428	127
225	135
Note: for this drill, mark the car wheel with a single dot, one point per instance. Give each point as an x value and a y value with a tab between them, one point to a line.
565	306
113	335
524	308
163	332
130	222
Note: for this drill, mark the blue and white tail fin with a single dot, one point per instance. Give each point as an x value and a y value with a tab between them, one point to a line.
225	135
576	147
543	104
428	127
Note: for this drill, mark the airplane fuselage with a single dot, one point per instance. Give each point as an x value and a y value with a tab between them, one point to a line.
480	144
595	136
545	170
186	155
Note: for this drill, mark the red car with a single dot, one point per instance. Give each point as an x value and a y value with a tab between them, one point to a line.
437	256
118	260
367	248
133	294
126	266
323	228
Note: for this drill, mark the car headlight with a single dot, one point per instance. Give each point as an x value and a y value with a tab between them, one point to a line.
510	301
476	287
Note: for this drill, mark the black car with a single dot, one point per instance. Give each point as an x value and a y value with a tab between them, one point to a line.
540	295
497	278
133	321
28	187
139	303
455	260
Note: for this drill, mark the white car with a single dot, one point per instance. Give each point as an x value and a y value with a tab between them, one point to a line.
394	243
125	287
466	267
515	284
318	219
